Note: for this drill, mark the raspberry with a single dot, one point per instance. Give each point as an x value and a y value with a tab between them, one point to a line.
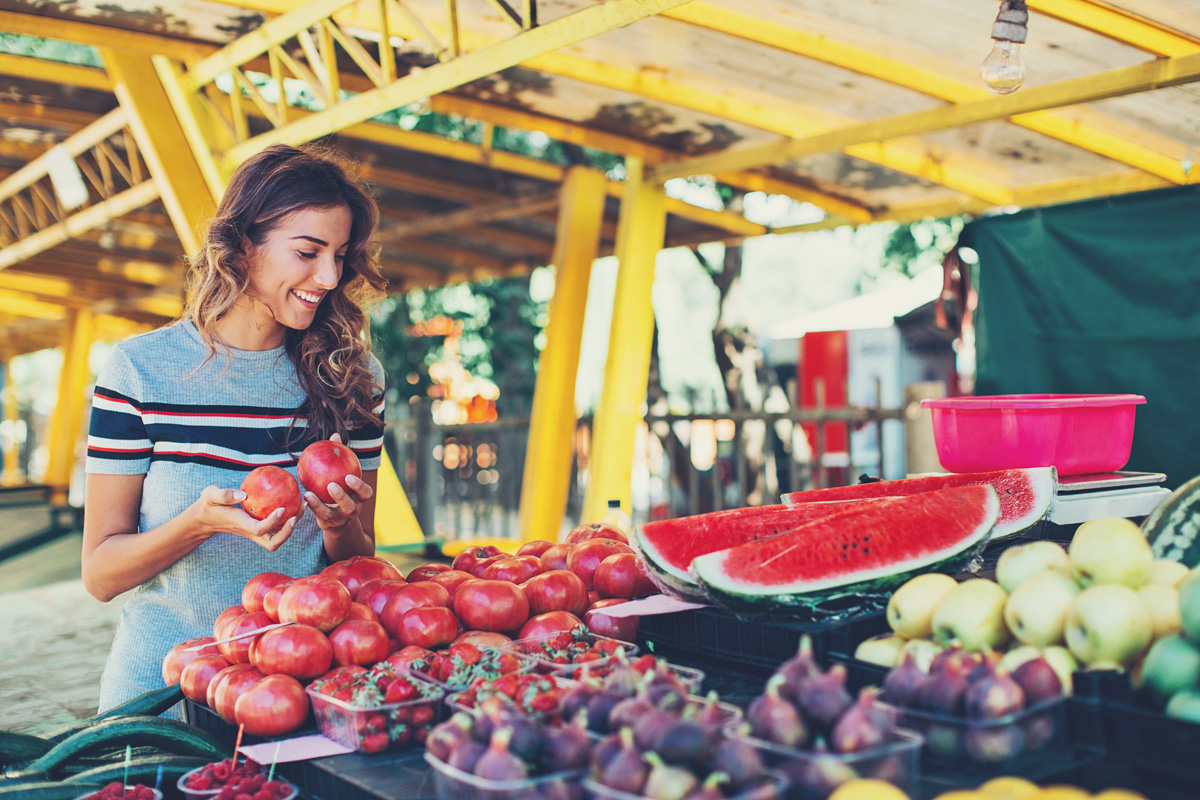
243	796
200	783
264	794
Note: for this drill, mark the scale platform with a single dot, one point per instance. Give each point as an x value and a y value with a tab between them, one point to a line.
1111	494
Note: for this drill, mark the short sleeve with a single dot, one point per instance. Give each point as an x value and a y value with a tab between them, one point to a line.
117	440
367	441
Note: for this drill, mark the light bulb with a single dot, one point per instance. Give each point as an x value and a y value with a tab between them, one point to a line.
1003	71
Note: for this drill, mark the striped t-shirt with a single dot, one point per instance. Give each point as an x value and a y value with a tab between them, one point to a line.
157	412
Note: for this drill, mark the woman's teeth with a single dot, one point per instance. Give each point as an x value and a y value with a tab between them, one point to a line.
307	296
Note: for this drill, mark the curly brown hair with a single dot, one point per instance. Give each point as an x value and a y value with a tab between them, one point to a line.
331	354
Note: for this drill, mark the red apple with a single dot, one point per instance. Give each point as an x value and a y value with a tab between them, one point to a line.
326	462
269	488
321	602
257	587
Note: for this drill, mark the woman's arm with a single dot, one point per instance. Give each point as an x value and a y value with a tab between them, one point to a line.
117	557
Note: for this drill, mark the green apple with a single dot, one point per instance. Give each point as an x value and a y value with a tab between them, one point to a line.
1193	576
1018	563
1171	666
881	650
1185	705
1108	626
1111	550
1163	604
923	652
1168	573
1036	611
910	609
974	615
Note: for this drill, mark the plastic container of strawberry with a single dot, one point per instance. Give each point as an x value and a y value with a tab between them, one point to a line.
537	696
454	676
381	726
221	780
554	653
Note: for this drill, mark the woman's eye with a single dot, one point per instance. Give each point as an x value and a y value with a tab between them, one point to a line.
306	255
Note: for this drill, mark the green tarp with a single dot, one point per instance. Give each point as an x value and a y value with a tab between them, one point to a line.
1099	297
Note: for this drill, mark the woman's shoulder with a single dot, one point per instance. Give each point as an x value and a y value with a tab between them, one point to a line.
167	343
373	364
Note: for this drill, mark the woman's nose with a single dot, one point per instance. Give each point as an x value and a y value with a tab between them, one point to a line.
328	272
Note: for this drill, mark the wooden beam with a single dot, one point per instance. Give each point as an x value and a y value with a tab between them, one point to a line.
1158	74
38	113
1119	25
41	69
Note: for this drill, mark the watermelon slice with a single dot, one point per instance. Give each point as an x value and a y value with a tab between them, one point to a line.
867	550
1025	494
668	546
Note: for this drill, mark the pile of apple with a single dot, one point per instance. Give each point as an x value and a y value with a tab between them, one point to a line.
1171	670
1099	603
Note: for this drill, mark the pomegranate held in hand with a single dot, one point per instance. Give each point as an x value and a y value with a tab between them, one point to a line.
269	488
326	462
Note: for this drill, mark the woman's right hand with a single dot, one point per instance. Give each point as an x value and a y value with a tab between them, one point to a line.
218	511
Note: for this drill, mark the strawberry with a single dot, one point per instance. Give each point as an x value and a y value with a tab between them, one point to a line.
400	690
466	652
375	742
507	662
645	663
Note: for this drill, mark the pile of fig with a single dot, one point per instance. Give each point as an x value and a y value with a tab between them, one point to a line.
500	744
675	751
965	703
819	735
626	692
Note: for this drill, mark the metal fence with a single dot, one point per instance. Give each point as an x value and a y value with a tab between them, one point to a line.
464	481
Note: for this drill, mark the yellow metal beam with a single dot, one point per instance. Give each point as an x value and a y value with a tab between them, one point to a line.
547	476
639	238
1099	86
912	75
1119	25
12	415
77	224
438	78
163	145
199	128
67	420
96	35
75	144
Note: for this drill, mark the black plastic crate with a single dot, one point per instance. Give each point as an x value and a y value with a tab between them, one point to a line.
712	635
1161	747
384	776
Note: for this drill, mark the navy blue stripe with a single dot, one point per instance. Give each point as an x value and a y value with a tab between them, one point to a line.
115	456
209	461
104	391
116	425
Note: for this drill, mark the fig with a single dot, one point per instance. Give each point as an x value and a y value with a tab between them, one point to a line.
993	696
989	659
666	782
773	718
647	729
955	658
599	708
904	682
466	756
574	699
603	752
799	668
657	692
824	698
943	693
711	788
623	680
1039	730
498	763
992	744
739	761
444	738
625	771
711	717
627	712
560	789
684	743
567	746
1038	681
819	774
863	726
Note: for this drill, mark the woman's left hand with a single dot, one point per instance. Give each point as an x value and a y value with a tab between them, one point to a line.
347	505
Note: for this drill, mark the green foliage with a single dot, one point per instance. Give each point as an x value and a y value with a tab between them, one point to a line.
913	248
49	49
501	324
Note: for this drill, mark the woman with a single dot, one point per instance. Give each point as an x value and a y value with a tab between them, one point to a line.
271	354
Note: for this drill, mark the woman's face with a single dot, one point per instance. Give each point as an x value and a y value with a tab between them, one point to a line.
299	262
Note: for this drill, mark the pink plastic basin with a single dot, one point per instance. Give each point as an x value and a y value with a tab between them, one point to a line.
1080	434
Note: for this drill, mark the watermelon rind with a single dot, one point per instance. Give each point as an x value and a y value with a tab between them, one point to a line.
666	577
1041	484
1173	527
758	600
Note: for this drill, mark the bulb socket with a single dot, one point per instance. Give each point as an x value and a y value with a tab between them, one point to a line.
1012	22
